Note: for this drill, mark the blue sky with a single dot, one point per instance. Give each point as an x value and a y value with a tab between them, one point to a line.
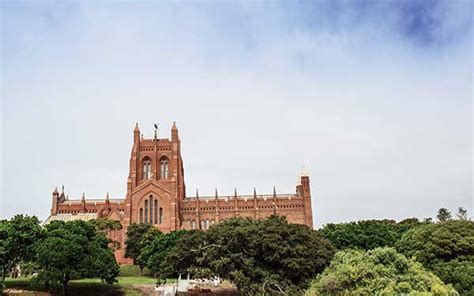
374	97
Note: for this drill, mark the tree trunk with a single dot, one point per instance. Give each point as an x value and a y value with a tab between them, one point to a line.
64	288
65	281
4	274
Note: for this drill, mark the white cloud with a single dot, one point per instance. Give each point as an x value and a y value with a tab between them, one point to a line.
383	125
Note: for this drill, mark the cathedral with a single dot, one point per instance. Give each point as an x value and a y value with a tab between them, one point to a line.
156	194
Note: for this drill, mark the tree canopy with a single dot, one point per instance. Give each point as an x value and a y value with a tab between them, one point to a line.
367	234
17	237
73	250
446	248
444	214
260	256
133	242
381	271
104	224
156	247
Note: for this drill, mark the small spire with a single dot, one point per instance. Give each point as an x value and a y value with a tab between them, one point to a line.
55	190
62	189
174	132
217	196
254	192
107	197
235	192
274	192
83	203
137	129
197	193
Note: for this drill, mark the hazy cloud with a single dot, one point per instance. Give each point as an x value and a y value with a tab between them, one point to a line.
374	97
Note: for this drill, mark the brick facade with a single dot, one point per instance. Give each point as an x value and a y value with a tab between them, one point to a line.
156	194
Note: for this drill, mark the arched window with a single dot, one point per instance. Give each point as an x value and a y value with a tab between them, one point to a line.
155	212
141	215
146	211
151	210
161	215
146	168
193	224
164	168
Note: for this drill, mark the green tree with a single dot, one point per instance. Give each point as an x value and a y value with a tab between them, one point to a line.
381	271
261	257
183	257
74	250
444	214
447	249
17	237
156	247
144	244
105	226
133	241
367	234
462	213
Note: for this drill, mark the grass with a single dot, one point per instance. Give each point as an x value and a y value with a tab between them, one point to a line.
127	279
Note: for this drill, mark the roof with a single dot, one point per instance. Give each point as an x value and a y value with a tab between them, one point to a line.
70	217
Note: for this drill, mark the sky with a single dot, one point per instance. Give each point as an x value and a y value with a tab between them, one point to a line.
374	98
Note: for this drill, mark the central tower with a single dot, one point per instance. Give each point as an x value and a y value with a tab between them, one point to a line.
155	186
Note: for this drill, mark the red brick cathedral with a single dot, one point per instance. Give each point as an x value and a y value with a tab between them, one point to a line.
156	194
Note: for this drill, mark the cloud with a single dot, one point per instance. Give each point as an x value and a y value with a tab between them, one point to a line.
374	97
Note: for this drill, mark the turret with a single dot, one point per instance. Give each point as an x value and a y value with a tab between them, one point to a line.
174	132
54	207
136	134
303	190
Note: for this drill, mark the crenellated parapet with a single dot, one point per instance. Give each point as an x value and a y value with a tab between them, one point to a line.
200	212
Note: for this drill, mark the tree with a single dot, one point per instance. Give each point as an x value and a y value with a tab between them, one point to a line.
183	256
144	245
17	237
444	214
74	250
367	234
260	256
462	213
156	247
381	271
446	248
135	233
105	226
